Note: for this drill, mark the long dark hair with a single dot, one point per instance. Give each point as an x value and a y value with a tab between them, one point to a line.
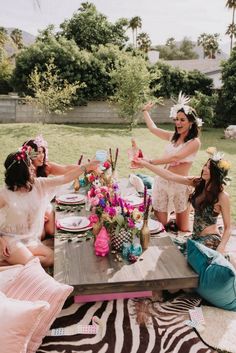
193	131
212	188
17	172
41	170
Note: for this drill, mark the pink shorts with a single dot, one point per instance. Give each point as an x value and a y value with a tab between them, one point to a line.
168	196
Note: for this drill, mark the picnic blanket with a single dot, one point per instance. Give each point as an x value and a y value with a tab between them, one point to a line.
127	326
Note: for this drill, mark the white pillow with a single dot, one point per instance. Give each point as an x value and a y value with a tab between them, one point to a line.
136	182
19	320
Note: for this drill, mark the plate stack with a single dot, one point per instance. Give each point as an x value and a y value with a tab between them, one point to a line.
71	199
74	224
154	226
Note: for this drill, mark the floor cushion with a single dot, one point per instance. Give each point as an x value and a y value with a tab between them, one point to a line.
19	320
33	283
217	276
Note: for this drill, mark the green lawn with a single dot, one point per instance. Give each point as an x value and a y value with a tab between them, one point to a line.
68	142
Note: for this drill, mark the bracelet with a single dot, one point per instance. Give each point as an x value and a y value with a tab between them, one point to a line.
83	168
144	110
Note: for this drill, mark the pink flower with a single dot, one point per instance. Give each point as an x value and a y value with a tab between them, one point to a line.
141	208
104	189
100	195
131	223
95	201
111	211
91	192
93	218
91	178
106	165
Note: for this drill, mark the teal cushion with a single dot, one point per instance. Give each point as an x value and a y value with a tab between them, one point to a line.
147	180
217	277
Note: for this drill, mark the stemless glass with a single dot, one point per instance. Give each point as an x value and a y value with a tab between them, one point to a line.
101	156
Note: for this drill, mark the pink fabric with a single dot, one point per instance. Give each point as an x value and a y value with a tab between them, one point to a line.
33	283
19	319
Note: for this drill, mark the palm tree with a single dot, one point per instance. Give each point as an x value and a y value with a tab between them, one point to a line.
231	31
134	24
144	41
16	36
210	44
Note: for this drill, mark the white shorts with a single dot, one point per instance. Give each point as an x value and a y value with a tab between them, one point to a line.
168	196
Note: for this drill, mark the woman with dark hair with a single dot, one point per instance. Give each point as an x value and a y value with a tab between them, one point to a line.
23	202
178	157
208	199
44	168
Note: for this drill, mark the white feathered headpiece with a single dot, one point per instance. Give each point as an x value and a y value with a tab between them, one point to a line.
183	103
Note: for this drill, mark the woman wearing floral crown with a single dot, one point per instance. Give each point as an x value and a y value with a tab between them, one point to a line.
180	152
208	199
44	168
23	202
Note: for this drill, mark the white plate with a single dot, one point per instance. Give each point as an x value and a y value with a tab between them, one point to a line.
74	223
153	225
71	198
76	230
134	200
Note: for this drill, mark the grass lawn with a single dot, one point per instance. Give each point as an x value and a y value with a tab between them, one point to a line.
67	142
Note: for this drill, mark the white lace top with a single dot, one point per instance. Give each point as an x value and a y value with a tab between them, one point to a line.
22	216
171	149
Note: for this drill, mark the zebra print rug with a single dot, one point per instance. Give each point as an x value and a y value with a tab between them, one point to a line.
128	326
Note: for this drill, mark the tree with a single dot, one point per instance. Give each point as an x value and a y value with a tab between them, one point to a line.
51	94
16	36
144	41
168	81
134	24
3	36
226	106
5	75
173	51
132	82
205	107
231	31
210	44
90	28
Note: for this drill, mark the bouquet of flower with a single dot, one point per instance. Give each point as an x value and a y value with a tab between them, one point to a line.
114	212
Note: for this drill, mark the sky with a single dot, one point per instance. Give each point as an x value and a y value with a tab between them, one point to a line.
161	19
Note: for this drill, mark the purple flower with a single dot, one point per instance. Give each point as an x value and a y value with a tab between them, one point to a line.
102	203
110	210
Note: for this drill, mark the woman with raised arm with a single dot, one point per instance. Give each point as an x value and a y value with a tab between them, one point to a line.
23	202
180	152
43	168
208	199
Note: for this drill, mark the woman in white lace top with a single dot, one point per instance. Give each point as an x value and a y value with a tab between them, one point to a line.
180	152
23	202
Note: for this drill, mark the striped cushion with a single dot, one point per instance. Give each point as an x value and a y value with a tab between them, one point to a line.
33	283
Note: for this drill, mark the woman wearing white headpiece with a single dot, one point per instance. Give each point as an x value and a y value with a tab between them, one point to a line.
180	152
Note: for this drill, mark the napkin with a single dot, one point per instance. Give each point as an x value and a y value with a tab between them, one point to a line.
136	182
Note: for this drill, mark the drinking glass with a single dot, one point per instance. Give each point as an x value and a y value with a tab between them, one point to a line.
133	152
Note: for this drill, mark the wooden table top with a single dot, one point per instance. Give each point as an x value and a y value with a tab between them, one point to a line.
161	266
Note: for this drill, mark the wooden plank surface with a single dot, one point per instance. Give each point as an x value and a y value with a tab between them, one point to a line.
161	266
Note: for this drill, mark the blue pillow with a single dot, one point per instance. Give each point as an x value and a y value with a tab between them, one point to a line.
217	277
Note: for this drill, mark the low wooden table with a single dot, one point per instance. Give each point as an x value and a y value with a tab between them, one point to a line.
161	266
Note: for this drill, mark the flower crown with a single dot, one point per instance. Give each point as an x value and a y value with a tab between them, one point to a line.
222	164
182	103
40	142
23	154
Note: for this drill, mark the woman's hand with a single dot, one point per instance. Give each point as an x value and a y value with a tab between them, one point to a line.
138	162
92	165
147	107
4	247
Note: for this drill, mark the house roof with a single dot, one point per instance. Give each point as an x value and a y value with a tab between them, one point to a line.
205	66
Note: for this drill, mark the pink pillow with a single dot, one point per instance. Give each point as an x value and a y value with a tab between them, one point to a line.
33	283
19	320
